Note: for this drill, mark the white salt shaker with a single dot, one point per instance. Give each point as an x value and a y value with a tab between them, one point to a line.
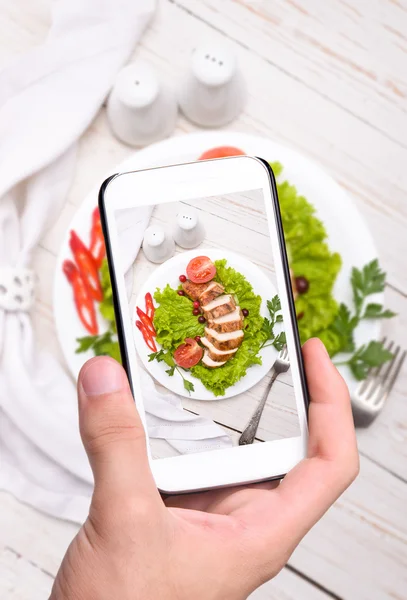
140	109
158	246
189	231
213	92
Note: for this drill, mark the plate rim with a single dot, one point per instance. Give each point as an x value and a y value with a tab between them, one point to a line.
176	259
204	139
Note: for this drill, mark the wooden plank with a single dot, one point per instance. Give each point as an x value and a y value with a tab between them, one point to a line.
329	47
21	579
352	551
359	548
31	560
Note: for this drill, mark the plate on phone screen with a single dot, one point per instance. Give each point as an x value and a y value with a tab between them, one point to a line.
168	273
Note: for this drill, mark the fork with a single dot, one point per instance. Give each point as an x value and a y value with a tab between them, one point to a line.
281	365
371	394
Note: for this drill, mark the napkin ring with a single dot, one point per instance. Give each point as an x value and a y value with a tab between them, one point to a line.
17	289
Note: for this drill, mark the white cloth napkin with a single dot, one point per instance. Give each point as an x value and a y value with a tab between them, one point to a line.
47	100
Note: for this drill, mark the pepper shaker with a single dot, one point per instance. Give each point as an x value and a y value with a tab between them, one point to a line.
189	231
158	246
213	92
139	109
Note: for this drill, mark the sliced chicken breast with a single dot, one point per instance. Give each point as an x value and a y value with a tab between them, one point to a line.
213	290
219	307
215	354
208	362
232	321
224	341
194	290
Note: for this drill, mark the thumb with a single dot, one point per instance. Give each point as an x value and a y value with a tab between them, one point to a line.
113	434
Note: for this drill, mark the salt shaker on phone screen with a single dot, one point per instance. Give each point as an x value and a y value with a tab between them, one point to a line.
213	92
189	231
158	246
140	109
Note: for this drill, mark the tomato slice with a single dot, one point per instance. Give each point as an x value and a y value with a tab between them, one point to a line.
189	354
221	152
201	269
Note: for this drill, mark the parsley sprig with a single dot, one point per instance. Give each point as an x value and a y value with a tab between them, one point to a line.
167	357
278	341
365	282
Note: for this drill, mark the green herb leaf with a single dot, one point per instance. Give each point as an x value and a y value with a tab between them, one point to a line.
158	356
344	325
375	311
188	385
369	280
280	341
373	354
170	372
267	328
85	343
274	306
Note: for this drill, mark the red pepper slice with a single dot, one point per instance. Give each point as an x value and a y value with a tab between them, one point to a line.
148	338
83	300
150	306
97	240
147	322
86	265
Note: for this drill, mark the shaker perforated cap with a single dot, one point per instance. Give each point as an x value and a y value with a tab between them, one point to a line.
187	219
137	85
154	236
213	64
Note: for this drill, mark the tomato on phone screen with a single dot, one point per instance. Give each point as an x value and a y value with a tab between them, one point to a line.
189	354
201	269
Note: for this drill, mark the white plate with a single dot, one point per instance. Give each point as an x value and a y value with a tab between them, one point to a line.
169	272
347	231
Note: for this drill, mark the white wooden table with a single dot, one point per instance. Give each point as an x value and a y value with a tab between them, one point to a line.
330	79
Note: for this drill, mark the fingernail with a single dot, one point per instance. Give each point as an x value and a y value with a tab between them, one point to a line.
102	377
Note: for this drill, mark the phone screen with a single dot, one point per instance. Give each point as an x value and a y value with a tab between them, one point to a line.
208	324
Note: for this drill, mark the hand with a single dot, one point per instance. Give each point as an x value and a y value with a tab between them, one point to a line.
214	545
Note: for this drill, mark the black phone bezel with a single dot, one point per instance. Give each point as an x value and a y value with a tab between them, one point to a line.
287	278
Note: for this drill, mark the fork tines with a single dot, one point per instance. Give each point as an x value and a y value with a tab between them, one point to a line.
380	380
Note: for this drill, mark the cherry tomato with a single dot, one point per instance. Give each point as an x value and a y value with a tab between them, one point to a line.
196	304
182	278
201	269
188	354
181	293
221	152
202	319
196	312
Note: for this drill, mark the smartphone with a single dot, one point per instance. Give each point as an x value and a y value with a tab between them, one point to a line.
206	321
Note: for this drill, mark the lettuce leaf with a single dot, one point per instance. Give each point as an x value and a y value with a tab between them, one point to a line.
236	284
219	379
173	318
310	257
